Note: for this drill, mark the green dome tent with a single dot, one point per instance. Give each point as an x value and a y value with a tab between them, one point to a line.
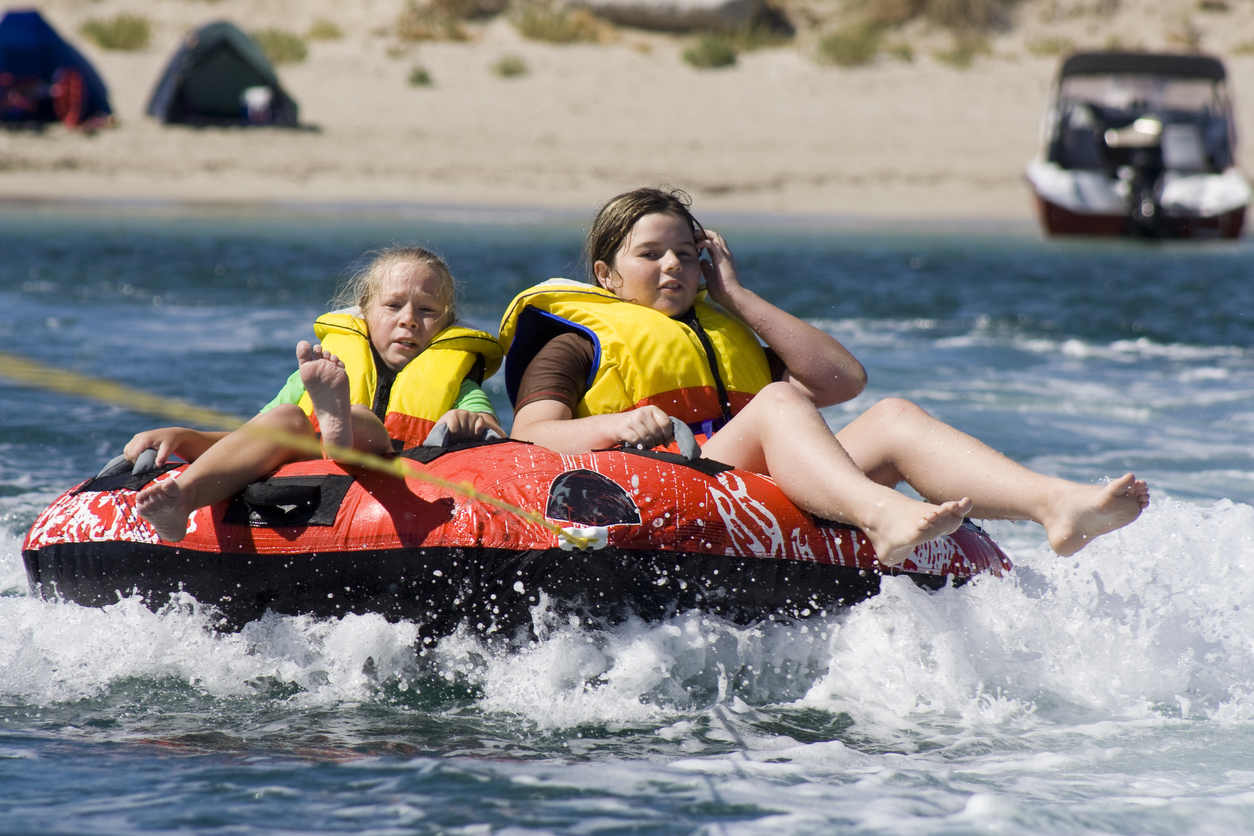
219	76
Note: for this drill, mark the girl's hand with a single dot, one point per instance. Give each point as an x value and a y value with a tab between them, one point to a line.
645	428
166	441
464	425
721	279
550	424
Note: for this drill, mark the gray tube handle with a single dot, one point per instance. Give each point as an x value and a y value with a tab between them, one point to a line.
438	437
145	461
117	465
688	446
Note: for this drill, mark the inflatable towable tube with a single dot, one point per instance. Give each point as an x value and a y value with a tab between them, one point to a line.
326	540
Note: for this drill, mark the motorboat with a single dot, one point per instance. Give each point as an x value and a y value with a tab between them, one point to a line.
1140	144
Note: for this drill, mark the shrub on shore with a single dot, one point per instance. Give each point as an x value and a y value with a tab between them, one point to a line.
541	21
441	20
510	66
1049	46
964	51
281	46
761	34
121	32
901	50
324	30
422	23
955	15
710	52
852	46
467	9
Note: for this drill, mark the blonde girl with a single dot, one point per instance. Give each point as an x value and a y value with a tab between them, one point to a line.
391	367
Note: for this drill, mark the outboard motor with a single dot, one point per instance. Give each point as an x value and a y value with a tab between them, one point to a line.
1138	147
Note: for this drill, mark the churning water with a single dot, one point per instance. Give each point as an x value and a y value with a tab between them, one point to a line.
1110	692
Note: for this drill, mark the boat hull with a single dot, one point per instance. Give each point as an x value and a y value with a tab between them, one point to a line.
323	540
1058	220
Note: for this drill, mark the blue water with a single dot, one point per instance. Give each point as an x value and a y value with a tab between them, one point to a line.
1110	692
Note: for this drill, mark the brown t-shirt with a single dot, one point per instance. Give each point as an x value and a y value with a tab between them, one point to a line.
559	372
561	369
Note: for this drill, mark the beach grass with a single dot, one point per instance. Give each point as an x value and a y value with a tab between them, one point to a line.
965	50
900	50
851	46
509	66
281	46
324	30
124	32
967	15
760	34
420	77
1049	46
963	16
710	52
465	9
541	21
430	22
441	20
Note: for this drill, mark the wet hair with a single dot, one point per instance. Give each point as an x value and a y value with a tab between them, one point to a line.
619	216
363	286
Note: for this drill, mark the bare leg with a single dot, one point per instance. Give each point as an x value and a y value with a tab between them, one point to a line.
369	434
224	469
244	456
896	441
782	434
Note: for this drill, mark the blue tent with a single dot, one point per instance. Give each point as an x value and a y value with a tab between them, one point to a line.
43	78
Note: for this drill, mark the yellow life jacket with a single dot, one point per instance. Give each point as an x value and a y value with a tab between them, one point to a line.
642	357
424	390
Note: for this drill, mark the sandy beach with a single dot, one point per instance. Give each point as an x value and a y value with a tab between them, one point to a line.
779	132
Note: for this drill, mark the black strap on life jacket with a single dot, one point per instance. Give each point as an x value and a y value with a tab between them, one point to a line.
384	378
690	319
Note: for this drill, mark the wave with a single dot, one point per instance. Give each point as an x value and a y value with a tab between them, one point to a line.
986	331
1151	621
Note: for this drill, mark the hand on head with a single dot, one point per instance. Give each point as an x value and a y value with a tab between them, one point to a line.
721	279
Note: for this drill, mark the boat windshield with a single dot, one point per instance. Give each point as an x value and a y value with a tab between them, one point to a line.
1146	93
1108	121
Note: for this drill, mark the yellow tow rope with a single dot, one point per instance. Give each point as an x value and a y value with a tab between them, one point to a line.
26	372
29	373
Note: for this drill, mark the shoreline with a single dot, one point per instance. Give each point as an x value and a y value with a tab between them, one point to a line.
778	138
500	214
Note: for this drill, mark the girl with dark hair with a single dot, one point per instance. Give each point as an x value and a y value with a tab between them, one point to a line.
596	367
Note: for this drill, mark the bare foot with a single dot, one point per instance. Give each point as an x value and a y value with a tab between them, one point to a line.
327	384
895	541
1089	511
161	504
